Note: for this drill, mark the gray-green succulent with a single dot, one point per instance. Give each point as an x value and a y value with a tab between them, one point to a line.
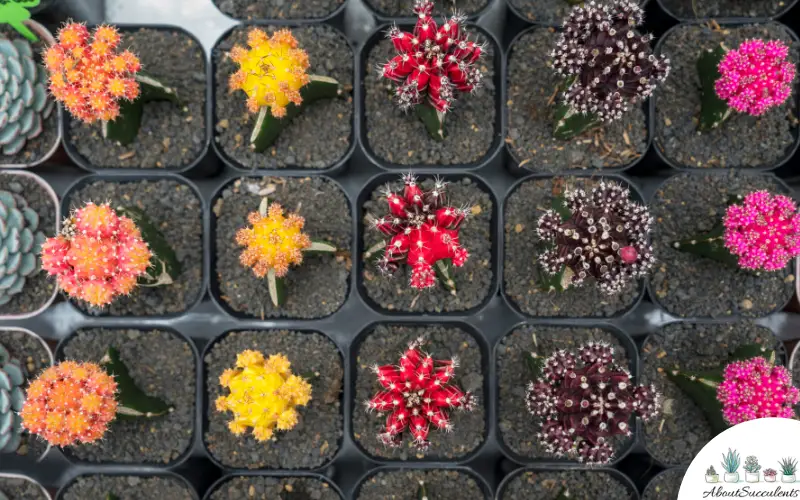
20	243
12	377
24	101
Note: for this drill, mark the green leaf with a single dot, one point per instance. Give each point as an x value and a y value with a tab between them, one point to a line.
277	289
422	491
713	110
133	402
710	245
564	493
112	496
320	246
535	363
570	123
557	282
444	270
267	127
164	266
125	127
559	204
432	119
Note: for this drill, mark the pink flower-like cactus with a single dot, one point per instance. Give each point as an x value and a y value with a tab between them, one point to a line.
754	388
433	61
763	231
756	76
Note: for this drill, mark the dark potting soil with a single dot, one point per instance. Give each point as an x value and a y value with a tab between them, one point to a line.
177	211
473	280
21	489
383	346
398	137
518	427
542	11
580	484
689	9
34	357
404	8
317	287
522	211
316	437
742	140
40	146
531	101
665	485
278	9
681	431
97	487
269	488
39	288
162	364
171	136
690	286
403	484
319	136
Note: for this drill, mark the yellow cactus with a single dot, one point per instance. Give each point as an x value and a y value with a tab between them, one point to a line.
273	242
263	394
271	72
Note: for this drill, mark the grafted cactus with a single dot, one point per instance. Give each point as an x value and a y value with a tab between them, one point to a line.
20	242
12	377
24	104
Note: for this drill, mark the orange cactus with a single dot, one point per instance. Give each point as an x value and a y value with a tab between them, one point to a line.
97	256
88	75
70	403
274	242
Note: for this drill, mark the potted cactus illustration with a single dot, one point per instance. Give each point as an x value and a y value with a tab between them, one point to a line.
273	242
759	232
263	395
606	66
552	400
750	79
71	402
416	405
433	65
749	385
730	464
601	235
751	468
788	469
272	72
422	231
770	475
103	253
711	475
97	82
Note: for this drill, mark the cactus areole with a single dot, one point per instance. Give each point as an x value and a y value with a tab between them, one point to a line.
433	64
423	233
418	395
583	400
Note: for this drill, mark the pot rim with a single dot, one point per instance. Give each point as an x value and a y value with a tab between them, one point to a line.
13	475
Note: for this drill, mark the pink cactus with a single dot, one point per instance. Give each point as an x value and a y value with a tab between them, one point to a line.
423	231
433	61
754	388
764	231
418	394
756	76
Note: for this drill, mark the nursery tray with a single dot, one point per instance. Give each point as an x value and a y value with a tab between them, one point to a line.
492	465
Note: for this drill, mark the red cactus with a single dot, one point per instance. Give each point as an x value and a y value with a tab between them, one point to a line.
417	395
433	61
423	231
97	256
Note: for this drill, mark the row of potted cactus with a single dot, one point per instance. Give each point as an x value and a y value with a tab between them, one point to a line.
731	462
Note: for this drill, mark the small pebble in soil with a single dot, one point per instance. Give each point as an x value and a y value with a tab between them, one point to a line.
403	484
271	488
319	285
520	267
97	487
171	136
689	286
681	431
474	280
383	345
665	485
163	365
518	427
581	485
742	140
317	436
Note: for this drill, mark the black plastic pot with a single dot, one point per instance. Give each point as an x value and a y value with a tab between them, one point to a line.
334	17
493	156
724	20
142	474
340	164
462	470
654	116
522	17
649	489
634	493
307	475
408	17
201	160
